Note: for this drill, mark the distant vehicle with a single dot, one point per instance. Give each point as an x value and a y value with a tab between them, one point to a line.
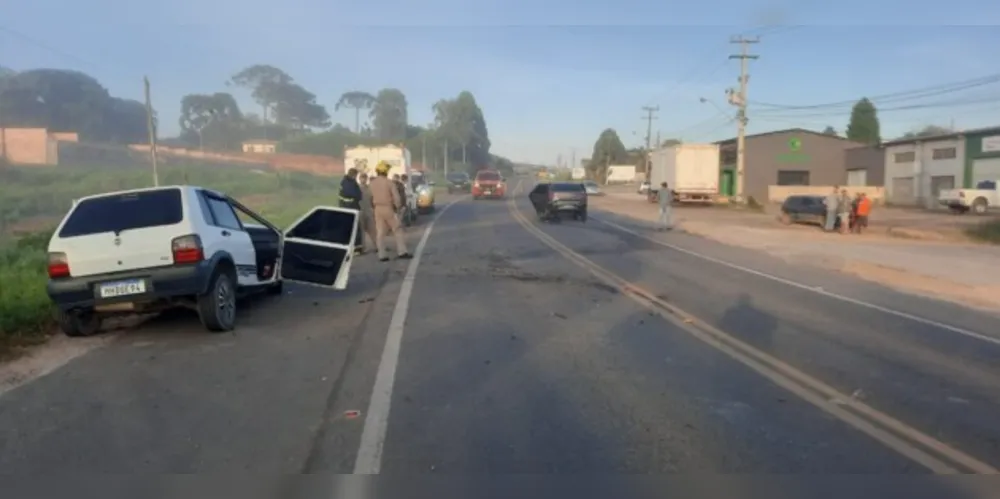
807	209
690	170
423	189
147	250
488	184
982	199
459	182
553	200
592	188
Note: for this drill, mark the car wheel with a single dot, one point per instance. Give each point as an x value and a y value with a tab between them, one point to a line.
979	207
217	307
79	324
583	217
276	288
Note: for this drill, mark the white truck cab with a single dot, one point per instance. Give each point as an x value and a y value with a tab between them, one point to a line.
146	250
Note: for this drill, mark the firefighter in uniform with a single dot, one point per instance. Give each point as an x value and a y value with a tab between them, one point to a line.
350	197
387	202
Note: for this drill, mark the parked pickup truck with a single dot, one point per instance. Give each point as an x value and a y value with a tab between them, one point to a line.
980	200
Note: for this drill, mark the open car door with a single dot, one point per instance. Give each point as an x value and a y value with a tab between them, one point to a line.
319	247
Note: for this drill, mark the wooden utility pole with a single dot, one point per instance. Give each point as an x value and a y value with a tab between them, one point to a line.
738	98
151	127
445	151
649	133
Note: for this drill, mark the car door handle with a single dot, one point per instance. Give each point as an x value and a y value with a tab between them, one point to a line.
226	233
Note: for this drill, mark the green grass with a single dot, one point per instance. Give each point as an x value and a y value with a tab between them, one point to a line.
45	194
987	232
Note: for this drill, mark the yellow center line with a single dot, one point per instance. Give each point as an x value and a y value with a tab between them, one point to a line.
898	436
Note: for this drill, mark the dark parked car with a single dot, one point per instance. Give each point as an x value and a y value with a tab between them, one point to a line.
553	200
459	182
807	209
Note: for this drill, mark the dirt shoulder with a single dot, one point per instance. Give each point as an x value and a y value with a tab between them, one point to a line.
948	270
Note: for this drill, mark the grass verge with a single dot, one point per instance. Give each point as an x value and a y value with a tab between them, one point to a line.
987	232
46	193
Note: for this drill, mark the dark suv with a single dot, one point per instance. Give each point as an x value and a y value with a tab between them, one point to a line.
552	200
459	182
808	209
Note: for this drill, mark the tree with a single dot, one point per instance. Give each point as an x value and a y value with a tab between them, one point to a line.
263	81
461	123
829	130
213	119
60	100
356	100
864	124
126	121
296	108
928	131
389	115
608	150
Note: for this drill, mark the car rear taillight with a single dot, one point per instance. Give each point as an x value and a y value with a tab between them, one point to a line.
58	265
476	184
187	249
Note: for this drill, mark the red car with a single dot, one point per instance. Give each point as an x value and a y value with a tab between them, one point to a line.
488	184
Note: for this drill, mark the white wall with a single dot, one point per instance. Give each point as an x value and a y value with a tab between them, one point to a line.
925	171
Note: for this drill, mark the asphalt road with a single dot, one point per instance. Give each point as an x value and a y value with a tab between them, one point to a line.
514	359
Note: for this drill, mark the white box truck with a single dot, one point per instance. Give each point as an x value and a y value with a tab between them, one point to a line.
691	171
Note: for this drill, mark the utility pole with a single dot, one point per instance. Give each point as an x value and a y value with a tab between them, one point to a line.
151	126
649	133
444	151
738	98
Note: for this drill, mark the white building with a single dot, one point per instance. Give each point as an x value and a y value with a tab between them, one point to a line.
916	170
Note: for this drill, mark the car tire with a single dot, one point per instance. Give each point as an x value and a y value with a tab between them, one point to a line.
979	206
217	307
582	216
276	289
79	324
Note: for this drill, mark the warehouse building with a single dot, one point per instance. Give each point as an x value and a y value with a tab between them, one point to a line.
918	169
784	157
864	167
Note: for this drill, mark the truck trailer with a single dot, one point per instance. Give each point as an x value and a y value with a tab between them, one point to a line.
691	172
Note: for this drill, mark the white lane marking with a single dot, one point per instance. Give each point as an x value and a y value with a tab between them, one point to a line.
814	289
369	459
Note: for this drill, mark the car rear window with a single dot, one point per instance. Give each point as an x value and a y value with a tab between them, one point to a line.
568	187
133	210
488	176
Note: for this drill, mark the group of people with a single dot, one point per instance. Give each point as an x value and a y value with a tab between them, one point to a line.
852	213
379	201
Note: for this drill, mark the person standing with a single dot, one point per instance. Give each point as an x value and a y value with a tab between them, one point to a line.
864	209
844	211
666	198
350	197
386	202
831	209
367	221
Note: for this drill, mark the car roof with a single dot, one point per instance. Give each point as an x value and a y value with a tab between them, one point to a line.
188	188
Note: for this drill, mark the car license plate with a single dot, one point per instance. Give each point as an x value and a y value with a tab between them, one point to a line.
487	191
122	288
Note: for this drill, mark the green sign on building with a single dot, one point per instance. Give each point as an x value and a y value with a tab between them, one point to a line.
794	154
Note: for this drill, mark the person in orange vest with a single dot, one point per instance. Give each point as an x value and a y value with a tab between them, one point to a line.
864	209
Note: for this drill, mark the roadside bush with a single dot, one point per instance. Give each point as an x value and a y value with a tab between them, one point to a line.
988	232
25	311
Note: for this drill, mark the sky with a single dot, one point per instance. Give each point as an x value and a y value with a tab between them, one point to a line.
550	75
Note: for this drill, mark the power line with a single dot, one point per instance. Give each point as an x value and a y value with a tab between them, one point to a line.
901	96
44	46
931	105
